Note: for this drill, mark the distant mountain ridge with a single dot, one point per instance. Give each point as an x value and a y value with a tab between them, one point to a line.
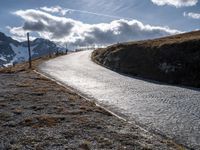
13	51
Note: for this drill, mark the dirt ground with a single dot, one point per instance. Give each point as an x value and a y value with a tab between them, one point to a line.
36	113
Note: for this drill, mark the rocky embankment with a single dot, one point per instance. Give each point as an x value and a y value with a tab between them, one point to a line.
37	113
174	59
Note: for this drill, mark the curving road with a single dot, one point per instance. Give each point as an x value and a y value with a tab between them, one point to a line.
170	110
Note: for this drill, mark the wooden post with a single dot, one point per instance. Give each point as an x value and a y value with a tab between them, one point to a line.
66	50
29	51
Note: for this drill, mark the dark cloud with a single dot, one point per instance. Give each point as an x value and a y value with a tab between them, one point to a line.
43	22
34	26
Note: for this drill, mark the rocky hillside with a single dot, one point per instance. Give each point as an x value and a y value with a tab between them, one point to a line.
173	59
12	51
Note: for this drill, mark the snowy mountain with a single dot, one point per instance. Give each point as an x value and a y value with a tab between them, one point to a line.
12	51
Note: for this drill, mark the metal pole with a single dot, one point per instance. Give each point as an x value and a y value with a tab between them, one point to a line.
29	51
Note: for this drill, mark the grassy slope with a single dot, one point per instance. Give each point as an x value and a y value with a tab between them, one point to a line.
173	59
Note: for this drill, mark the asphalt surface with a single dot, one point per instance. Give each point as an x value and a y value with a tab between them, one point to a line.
169	110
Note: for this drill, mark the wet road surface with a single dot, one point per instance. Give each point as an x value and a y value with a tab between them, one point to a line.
170	110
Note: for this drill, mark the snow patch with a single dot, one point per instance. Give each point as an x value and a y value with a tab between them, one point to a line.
21	53
8	64
3	58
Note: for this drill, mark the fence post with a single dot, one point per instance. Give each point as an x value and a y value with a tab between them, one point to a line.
29	51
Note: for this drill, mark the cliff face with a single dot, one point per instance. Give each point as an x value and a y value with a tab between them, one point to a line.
174	59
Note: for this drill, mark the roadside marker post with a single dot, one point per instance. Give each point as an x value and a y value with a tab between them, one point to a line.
29	52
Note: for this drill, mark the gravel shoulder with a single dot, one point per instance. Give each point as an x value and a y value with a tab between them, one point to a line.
37	113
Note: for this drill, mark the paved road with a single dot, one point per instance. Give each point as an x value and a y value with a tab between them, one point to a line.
170	110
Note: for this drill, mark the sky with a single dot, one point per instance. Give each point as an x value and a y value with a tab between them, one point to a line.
82	22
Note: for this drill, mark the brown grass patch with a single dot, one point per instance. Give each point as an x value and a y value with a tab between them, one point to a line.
23	85
17	111
42	121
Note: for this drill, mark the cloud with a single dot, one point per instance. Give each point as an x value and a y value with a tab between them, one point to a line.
56	9
192	15
64	11
41	22
19	33
62	29
176	3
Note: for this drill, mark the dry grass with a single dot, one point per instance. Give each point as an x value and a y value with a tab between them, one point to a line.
180	38
42	121
23	85
25	65
17	111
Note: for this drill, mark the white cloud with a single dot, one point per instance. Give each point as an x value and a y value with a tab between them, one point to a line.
62	29
176	3
19	33
56	9
192	15
64	11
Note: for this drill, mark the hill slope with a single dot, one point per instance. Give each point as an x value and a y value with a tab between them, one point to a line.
173	59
